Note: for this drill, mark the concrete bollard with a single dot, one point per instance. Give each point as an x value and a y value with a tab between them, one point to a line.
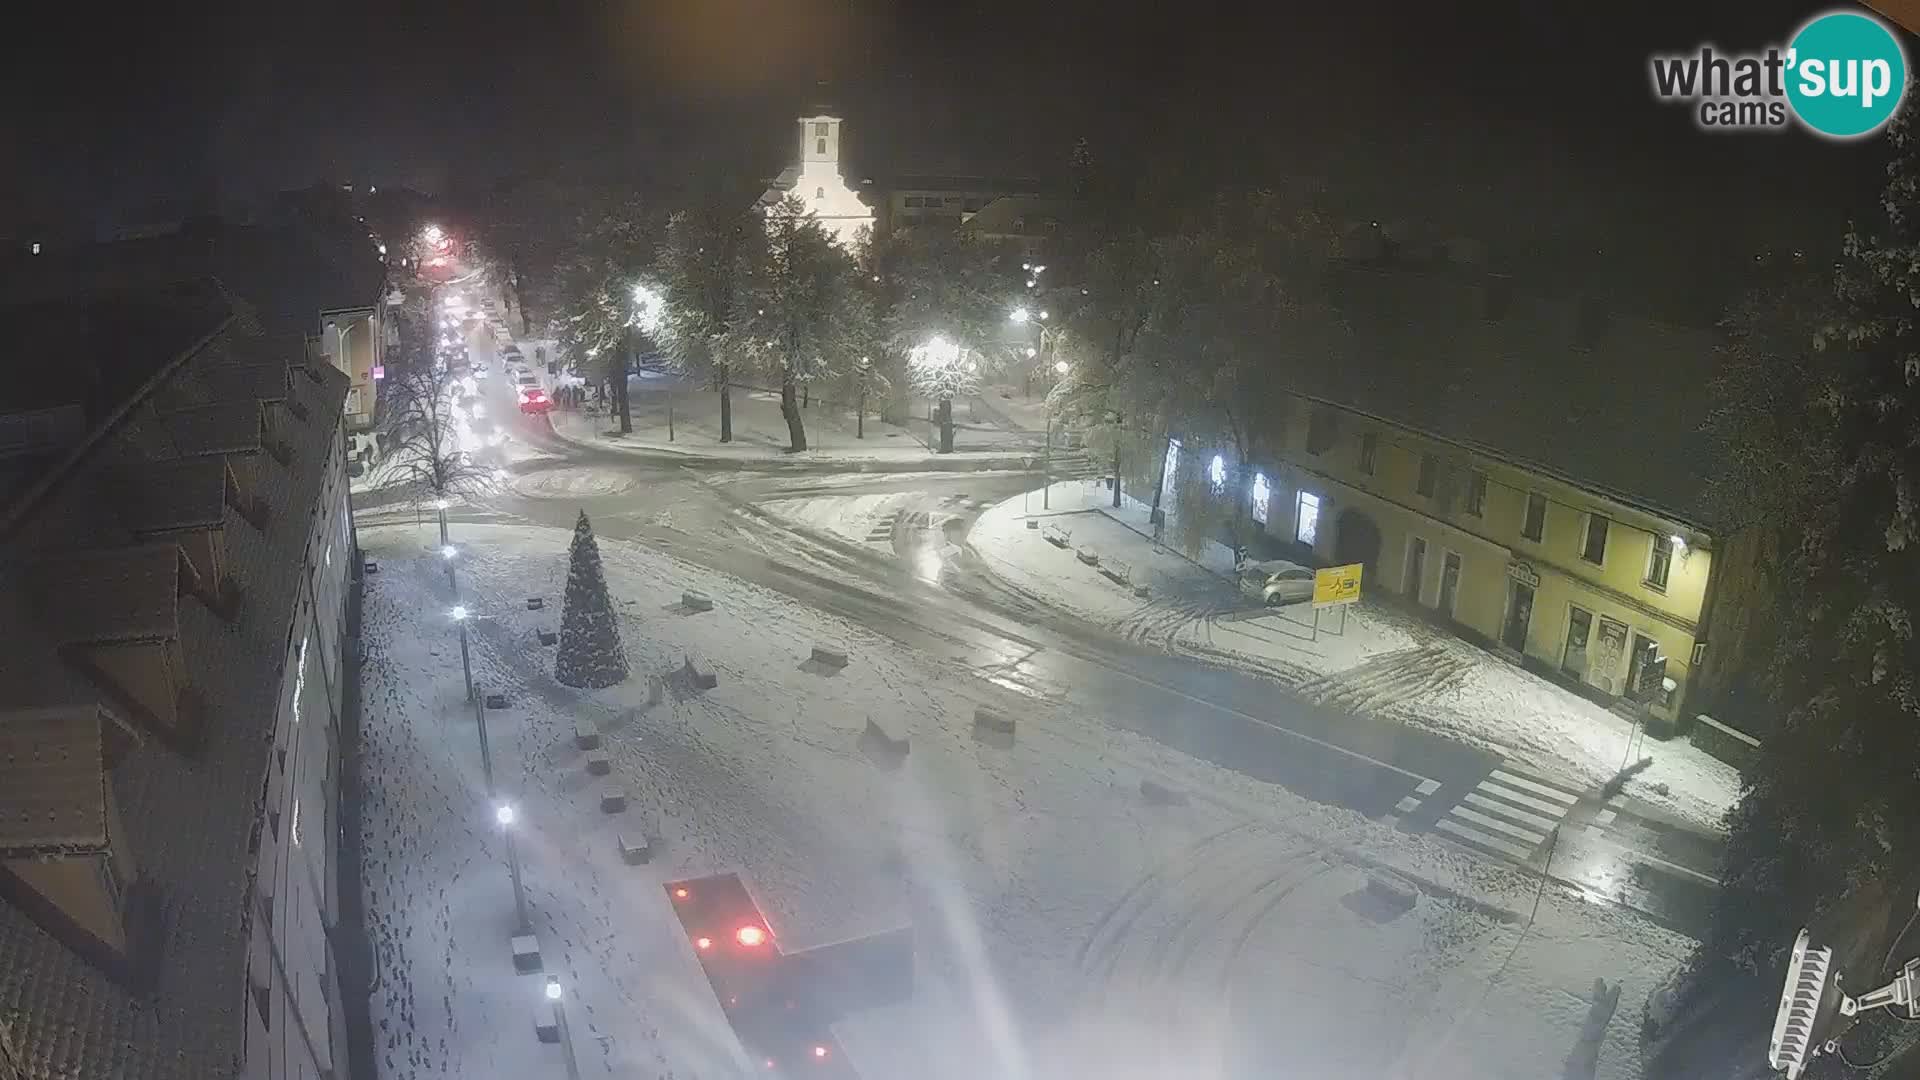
535	603
635	852
1033	523
546	1022
548	637
992	727
586	735
696	601
829	656
496	701
526	954
598	763
885	750
613	801
1158	794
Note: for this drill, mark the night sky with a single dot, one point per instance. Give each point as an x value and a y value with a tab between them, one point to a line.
1513	117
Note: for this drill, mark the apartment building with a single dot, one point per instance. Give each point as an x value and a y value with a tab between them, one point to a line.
1528	471
176	552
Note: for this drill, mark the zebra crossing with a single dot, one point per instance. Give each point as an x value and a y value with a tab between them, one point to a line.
1074	466
1508	814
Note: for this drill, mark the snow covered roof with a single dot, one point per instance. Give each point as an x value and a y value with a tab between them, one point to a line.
186	822
1604	400
227	427
109	594
158	496
53	781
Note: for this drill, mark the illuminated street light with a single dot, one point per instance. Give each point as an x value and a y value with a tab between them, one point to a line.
1043	316
448	551
553	989
1060	367
1020	315
459	613
504	815
1032	352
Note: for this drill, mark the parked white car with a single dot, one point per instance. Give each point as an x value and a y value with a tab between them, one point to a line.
1276	582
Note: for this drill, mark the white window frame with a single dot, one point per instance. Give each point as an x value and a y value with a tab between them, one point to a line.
1527	506
1409	585
1586	537
1653	546
1300	518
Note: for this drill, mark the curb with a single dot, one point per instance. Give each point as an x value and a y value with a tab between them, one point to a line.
935	463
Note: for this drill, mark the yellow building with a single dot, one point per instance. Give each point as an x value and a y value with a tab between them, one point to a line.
1526	471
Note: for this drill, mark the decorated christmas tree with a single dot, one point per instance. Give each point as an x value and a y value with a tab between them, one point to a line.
590	653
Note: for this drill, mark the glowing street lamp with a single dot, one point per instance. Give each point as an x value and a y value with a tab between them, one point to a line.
1020	315
1060	367
560	1019
504	815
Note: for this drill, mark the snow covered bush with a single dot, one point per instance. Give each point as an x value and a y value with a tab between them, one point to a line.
590	654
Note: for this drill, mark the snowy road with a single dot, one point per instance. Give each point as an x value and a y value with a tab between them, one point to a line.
870	571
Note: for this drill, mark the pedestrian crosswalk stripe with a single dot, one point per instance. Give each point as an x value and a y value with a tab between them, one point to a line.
1604	817
1407	805
1520	799
1478	838
1535	786
1509	812
1495	824
1428	787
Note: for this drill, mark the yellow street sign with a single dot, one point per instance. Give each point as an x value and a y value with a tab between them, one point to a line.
1336	585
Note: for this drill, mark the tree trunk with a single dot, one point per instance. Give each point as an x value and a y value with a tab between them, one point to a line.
946	425
1116	468
790	409
620	396
726	405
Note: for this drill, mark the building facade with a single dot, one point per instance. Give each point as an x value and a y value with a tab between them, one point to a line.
818	182
1527	470
176	554
1589	588
353	340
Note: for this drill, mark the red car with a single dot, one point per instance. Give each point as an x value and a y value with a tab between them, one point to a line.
533	398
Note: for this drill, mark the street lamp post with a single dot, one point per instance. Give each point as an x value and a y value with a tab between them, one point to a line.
447	553
459	614
504	815
441	505
555	995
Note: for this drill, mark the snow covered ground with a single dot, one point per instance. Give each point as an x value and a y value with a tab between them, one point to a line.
1064	927
1380	661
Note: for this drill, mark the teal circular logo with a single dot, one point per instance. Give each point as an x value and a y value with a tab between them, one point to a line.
1846	75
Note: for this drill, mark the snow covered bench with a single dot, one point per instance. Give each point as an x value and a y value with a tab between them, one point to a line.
634	851
1057	536
1087	555
829	656
696	601
586	734
598	763
613	800
526	953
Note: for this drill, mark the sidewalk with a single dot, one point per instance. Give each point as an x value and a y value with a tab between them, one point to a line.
1372	659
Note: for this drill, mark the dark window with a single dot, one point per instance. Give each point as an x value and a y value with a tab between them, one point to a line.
819	193
820	128
1595	549
1429	475
1476	493
915	200
1323	430
1369	450
820	147
1535	524
1660	562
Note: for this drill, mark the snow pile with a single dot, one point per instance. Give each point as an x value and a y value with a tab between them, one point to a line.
850	517
1063	926
571	483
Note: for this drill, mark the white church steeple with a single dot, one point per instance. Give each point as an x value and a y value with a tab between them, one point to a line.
821	184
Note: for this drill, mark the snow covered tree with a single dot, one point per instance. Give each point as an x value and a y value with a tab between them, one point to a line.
612	246
698	267
590	654
800	311
948	301
422	424
1832	807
